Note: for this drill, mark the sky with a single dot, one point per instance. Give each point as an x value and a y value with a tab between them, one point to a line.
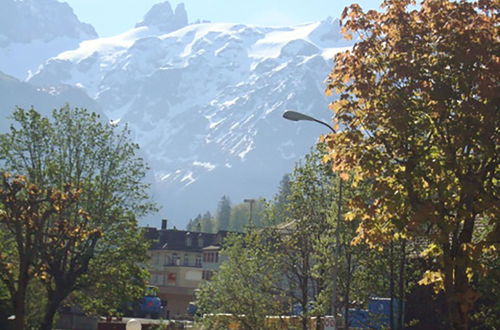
112	17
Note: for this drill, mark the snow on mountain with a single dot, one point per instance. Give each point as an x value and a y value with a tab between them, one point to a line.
205	100
32	31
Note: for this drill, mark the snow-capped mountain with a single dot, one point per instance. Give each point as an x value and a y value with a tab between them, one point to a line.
31	31
205	100
164	19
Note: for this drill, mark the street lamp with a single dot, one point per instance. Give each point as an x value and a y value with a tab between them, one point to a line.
297	116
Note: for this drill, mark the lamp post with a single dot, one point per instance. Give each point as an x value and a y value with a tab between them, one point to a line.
297	116
251	202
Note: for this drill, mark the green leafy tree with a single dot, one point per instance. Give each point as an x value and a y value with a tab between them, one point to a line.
418	114
191	225
6	309
487	309
208	223
247	285
240	215
81	243
195	224
306	233
281	199
223	214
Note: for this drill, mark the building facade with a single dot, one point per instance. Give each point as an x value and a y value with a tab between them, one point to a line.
179	261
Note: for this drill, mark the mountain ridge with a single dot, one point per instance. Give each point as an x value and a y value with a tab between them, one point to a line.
205	101
31	31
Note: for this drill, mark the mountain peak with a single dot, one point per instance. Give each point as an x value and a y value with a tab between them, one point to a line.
40	28
205	101
41	20
164	19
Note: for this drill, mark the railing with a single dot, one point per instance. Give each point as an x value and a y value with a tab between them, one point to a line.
182	264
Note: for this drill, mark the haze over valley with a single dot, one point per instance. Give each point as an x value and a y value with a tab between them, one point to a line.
204	100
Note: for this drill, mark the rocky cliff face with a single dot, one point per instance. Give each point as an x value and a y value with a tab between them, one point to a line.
161	17
205	100
32	31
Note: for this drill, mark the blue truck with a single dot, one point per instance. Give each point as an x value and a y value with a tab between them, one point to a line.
149	306
377	316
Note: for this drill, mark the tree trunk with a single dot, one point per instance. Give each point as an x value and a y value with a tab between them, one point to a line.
402	266
20	308
391	286
20	295
456	291
54	301
458	318
320	287
305	290
304	306
460	297
347	288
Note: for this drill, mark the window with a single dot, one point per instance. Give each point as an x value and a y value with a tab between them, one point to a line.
206	275
211	257
198	261
188	240
167	260
186	260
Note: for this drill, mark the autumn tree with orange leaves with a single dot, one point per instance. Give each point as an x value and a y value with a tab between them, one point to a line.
27	216
418	115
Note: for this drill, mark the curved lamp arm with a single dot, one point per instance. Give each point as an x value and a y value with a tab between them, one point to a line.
297	116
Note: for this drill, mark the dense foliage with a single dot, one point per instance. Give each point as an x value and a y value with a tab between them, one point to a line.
305	215
230	217
299	237
247	286
69	209
418	114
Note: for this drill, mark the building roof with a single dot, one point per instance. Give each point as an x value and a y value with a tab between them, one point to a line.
182	240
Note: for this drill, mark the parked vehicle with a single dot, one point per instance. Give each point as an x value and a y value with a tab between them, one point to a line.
377	316
148	306
191	309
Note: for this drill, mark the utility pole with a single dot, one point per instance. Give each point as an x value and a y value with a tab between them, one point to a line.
251	202
337	252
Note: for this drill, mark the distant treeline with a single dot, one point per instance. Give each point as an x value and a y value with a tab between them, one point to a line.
236	217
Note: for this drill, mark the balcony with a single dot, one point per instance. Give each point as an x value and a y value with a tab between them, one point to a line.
179	263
